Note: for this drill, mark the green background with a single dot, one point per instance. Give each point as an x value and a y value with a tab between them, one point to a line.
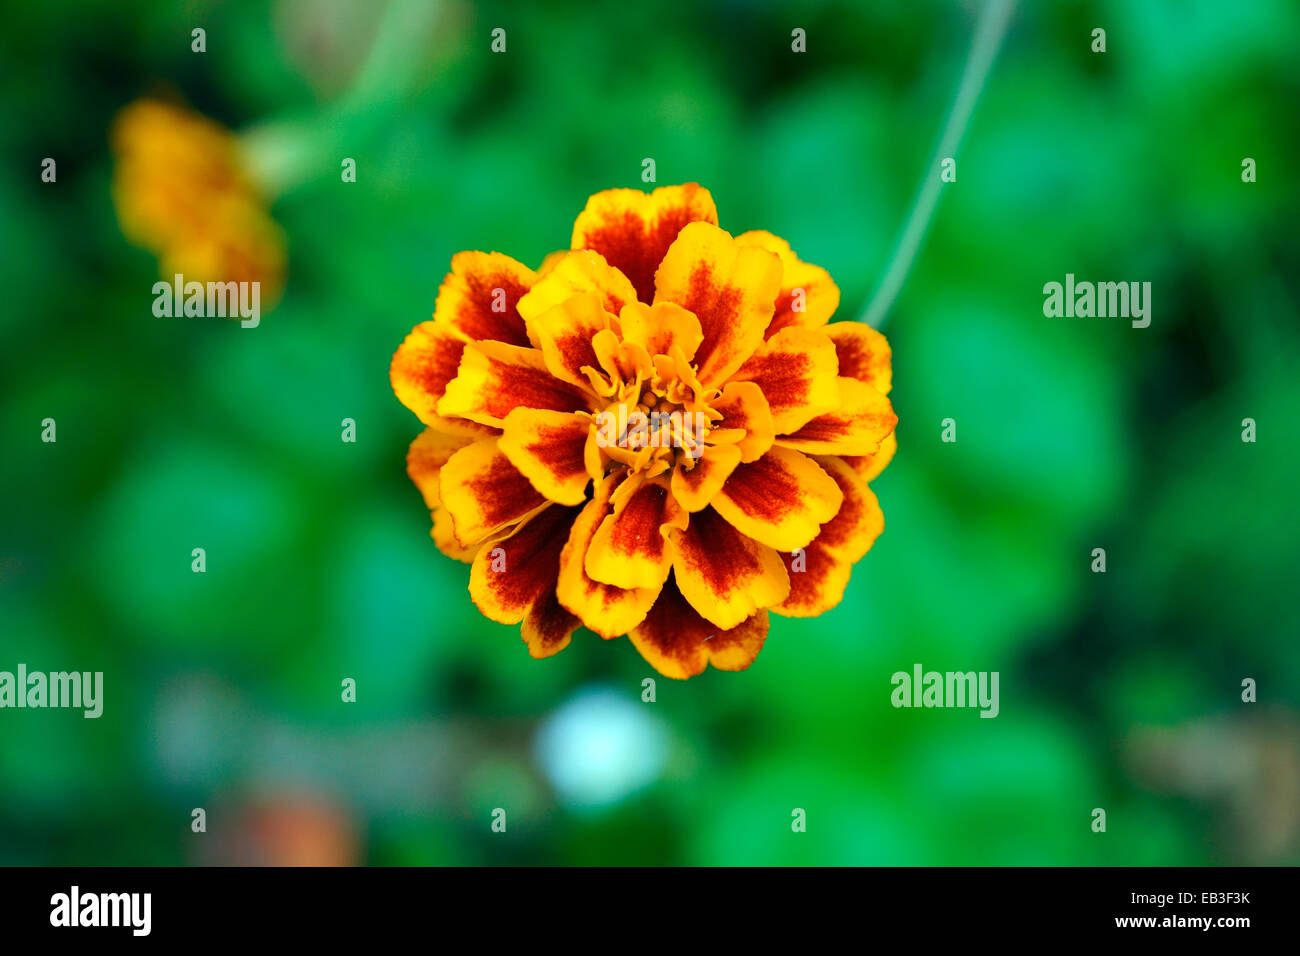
1119	690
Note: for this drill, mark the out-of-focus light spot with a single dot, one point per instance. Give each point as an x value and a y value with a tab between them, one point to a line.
600	747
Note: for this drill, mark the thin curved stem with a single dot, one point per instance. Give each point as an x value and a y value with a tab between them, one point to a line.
990	30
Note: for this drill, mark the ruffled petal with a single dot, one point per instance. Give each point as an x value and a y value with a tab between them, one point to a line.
633	230
630	547
820	573
869	466
495	378
444	536
855	527
574	273
513	580
678	643
781	500
725	575
564	334
729	287
425	458
863	353
743	406
480	297
796	369
548	626
608	610
857	427
514	573
424	461
484	493
808	295
817	582
551	260
423	365
658	328
694	488
550	449
736	648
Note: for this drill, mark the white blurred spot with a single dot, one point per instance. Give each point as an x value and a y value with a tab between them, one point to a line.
600	747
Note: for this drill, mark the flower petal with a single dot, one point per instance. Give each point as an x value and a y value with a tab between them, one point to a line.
781	500
869	466
480	296
495	378
425	458
548	626
820	573
549	448
817	582
513	580
678	643
743	406
796	369
509	577
808	295
723	574
633	230
729	287
551	260
735	649
444	536
629	549
484	492
863	353
608	610
855	428
855	527
659	327
695	488
423	365
577	272
564	333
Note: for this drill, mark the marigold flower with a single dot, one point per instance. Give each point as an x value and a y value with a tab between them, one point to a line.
182	191
683	539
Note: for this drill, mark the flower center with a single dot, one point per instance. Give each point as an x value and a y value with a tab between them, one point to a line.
660	418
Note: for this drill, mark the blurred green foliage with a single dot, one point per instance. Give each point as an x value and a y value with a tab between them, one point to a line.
223	688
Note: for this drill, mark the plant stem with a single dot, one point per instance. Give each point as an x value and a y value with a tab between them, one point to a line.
989	32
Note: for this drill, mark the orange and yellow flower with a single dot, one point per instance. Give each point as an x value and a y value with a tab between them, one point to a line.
682	541
181	190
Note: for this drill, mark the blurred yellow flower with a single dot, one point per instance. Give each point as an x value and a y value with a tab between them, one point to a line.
182	191
657	434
